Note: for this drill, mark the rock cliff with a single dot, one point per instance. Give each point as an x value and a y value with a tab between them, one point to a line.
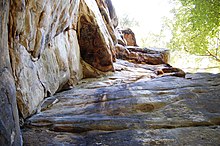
50	46
54	44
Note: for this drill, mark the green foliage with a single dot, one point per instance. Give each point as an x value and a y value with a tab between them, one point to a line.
196	27
154	40
127	22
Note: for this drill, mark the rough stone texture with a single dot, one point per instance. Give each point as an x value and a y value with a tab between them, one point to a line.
9	121
129	37
108	13
53	44
59	65
179	136
128	49
112	13
34	23
129	108
142	55
44	49
48	46
120	37
164	54
96	45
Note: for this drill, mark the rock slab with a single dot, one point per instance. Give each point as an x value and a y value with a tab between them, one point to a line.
119	110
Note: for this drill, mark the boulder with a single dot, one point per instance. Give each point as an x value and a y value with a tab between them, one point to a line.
129	37
54	44
50	46
142	55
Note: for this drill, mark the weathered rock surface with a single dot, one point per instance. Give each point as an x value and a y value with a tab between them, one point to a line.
41	52
49	46
142	55
112	13
9	120
54	44
109	16
121	110
128	49
129	37
95	41
44	49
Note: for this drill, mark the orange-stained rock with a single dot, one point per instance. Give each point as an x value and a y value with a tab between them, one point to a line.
142	55
44	50
95	41
129	37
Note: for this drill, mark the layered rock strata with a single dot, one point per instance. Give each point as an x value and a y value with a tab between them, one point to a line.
142	55
44	50
129	108
49	46
128	49
54	44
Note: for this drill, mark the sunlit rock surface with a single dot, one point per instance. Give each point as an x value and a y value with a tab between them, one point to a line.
153	56
47	40
54	44
44	49
129	37
131	108
47	47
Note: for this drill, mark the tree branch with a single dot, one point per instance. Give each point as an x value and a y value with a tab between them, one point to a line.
214	56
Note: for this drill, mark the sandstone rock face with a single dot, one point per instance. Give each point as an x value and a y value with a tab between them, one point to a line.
9	120
95	42
128	49
129	37
47	40
34	24
120	37
130	108
112	13
108	14
50	46
142	55
45	56
44	49
54	44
